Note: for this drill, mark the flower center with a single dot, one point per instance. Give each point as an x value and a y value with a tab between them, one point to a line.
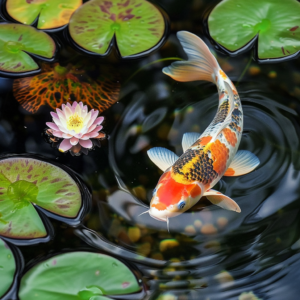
75	123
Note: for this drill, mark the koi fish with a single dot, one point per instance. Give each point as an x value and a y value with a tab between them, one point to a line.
206	157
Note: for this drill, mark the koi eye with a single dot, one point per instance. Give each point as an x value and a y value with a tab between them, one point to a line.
154	192
181	204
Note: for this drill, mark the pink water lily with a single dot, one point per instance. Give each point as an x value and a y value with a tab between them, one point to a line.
76	125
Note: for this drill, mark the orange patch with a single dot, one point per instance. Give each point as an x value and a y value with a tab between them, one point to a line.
224	76
229	172
205	140
196	191
219	155
230	136
159	206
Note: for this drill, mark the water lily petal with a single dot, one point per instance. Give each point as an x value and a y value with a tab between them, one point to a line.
66	135
74	141
87	118
78	110
84	111
93	134
85	137
61	116
93	118
73	107
65	145
99	120
91	128
52	126
68	112
57	134
54	115
97	128
78	135
86	143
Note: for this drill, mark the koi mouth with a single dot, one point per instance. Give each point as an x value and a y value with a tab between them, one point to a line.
158	219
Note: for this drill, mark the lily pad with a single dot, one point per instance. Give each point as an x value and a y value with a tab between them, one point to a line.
57	85
7	268
16	41
137	25
51	13
233	24
78	275
27	183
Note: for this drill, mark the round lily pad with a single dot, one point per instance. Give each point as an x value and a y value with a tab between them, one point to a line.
51	13
7	268
16	41
27	184
78	276
233	24
137	25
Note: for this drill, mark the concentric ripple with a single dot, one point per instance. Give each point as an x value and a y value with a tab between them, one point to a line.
222	253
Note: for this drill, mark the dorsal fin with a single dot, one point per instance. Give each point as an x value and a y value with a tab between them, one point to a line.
162	157
189	139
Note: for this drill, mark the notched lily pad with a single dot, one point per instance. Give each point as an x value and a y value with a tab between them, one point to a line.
137	25
51	13
7	268
57	85
16	41
233	24
26	183
78	275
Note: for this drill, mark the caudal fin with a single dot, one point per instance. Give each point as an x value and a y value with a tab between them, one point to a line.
201	64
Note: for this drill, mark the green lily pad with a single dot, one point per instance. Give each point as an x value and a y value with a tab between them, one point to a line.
78	276
27	182
51	13
7	268
137	24
16	41
233	24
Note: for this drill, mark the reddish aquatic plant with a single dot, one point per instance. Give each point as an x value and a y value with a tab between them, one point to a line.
76	126
58	85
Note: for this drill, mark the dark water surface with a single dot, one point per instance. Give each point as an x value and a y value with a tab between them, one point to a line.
209	253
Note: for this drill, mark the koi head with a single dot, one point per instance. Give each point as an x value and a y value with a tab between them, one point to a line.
171	198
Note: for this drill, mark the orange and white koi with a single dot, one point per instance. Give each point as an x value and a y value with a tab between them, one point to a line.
209	156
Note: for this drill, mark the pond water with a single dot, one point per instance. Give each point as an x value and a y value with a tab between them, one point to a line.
209	253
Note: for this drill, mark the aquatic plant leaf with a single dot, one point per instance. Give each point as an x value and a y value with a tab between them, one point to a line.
137	24
234	23
57	85
51	13
16	41
78	275
7	267
25	182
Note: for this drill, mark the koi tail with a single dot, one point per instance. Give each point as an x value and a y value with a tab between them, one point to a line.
201	64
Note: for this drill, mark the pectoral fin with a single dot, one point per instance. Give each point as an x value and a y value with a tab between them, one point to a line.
244	162
162	157
221	200
189	139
